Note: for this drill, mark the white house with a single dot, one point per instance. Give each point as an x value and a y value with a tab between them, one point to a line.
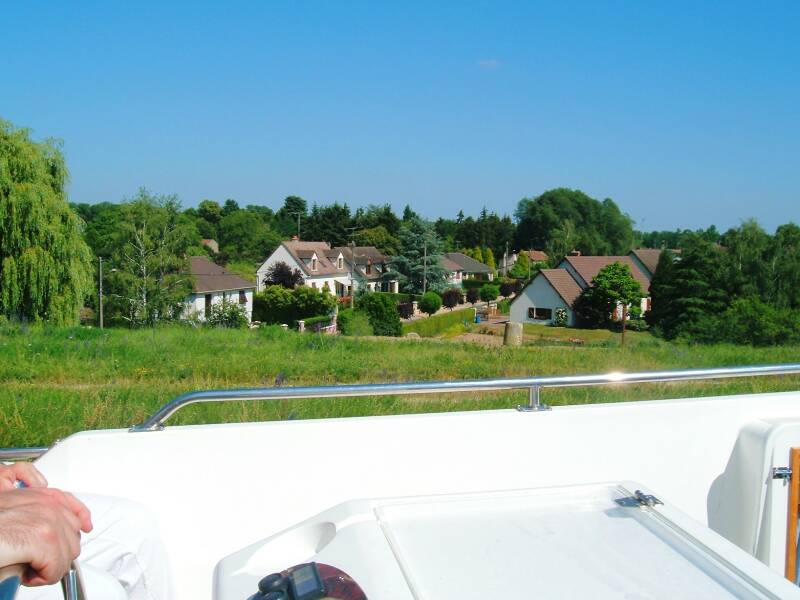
558	288
550	290
459	267
213	285
331	269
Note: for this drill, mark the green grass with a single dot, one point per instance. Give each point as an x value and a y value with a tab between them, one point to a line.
54	382
444	323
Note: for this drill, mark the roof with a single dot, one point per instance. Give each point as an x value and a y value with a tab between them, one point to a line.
210	277
302	251
537	255
564	283
589	266
362	256
456	261
649	257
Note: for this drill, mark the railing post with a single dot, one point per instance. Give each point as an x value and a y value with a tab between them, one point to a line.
534	401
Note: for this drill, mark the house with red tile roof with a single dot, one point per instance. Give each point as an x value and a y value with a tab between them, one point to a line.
557	289
333	269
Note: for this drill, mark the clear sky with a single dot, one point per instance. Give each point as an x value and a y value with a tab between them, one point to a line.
685	113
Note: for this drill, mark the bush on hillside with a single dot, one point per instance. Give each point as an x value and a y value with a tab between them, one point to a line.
277	304
228	314
382	313
430	303
489	292
507	287
451	298
354	322
473	295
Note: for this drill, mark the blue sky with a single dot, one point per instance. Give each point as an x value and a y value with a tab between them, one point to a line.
686	114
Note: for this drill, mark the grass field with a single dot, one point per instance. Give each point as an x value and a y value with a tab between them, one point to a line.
58	381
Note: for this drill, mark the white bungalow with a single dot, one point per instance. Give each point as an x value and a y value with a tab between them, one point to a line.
213	285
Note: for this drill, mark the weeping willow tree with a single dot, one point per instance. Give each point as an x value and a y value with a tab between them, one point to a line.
45	266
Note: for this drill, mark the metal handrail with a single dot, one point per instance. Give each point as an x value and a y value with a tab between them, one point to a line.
534	386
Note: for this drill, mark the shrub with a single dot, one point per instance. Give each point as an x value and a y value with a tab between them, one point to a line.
489	292
507	287
451	298
430	303
405	310
560	319
469	284
277	304
228	314
354	322
472	295
504	306
382	313
317	323
282	274
457	321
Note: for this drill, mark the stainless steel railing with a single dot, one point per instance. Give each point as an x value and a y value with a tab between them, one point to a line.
534	385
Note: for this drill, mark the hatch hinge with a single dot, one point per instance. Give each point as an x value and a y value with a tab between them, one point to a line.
781	472
639	498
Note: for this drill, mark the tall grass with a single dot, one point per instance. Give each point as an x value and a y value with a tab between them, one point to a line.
58	381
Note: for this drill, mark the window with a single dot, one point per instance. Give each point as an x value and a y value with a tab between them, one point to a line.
340	263
540	314
242	297
314	285
314	264
369	267
208	306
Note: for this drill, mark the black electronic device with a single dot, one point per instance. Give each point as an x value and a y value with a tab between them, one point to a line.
305	583
273	583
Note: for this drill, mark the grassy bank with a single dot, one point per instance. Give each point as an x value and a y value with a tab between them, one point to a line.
58	381
443	323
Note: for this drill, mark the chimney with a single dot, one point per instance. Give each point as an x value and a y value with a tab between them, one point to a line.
575	253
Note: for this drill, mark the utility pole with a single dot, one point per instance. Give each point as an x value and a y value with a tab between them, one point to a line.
505	262
352	245
425	267
100	294
298	213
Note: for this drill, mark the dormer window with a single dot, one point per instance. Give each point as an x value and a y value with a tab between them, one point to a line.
340	263
369	267
314	263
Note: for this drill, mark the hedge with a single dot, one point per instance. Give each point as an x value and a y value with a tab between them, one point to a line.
437	324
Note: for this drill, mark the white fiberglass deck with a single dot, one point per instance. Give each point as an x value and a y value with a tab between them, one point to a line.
591	541
216	489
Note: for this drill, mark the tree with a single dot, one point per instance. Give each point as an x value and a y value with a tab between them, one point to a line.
282	274
488	256
489	292
244	236
451	297
289	215
379	237
521	268
473	295
418	262
150	279
690	291
277	304
430	303
613	286
382	313
599	227
230	207
45	266
329	224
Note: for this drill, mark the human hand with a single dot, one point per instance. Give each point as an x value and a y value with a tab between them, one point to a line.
20	471
40	527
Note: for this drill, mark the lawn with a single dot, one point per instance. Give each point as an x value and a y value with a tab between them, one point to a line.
58	381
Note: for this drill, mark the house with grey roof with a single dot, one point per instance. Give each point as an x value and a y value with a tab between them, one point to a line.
212	284
459	267
337	270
